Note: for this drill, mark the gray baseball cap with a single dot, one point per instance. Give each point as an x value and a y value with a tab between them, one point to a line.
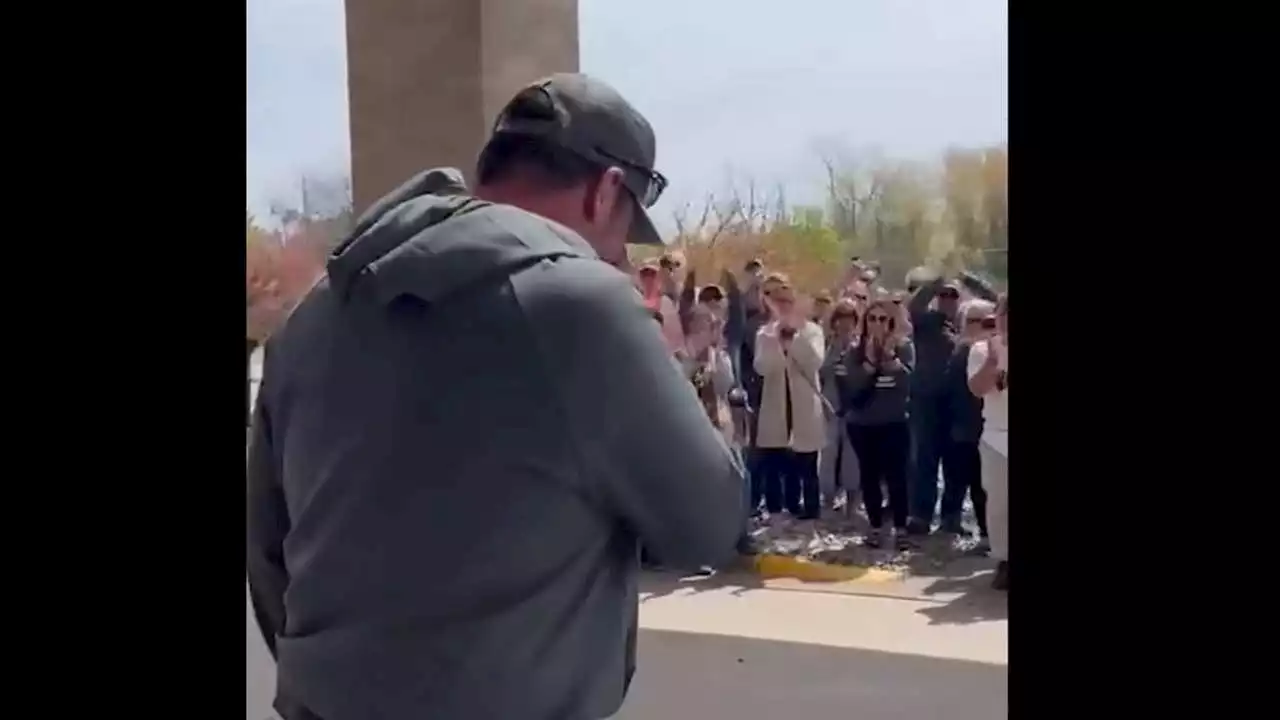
589	118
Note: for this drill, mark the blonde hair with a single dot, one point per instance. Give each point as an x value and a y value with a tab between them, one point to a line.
976	305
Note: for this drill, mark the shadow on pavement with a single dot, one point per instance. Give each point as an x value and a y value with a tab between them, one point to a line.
660	583
976	600
687	675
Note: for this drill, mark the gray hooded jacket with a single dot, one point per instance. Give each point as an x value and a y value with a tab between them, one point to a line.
462	434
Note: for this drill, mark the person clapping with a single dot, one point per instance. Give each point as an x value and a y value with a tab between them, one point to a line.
876	384
789	351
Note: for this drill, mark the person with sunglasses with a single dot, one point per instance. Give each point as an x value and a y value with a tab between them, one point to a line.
475	380
791	424
932	312
961	461
875	382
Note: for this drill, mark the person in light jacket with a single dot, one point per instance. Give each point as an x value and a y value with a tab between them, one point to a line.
989	379
789	352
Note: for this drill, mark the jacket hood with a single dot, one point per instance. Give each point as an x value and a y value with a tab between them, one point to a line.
429	238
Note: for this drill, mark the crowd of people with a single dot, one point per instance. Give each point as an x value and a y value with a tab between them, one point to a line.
467	427
856	393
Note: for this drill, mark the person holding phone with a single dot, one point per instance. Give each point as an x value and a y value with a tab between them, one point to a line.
876	384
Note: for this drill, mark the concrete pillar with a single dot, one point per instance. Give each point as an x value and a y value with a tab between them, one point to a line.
425	78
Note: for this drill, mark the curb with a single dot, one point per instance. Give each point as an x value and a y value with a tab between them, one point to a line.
782	566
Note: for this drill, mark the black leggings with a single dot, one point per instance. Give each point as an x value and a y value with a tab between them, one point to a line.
961	472
882	457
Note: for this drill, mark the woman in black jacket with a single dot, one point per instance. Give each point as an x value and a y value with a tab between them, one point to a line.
875	382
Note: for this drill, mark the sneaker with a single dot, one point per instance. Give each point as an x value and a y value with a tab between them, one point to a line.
952	527
982	548
900	539
915	526
1001	580
872	540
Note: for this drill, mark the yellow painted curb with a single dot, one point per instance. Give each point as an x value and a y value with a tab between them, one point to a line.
782	566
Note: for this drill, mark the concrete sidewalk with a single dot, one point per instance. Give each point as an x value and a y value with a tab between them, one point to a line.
738	647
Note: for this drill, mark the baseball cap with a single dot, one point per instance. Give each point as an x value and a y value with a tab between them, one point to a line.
589	118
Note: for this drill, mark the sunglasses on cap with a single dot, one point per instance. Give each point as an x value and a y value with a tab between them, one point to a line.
988	323
544	110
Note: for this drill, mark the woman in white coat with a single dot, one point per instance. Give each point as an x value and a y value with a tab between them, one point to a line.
789	352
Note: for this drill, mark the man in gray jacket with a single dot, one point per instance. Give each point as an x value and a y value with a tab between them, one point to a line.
466	428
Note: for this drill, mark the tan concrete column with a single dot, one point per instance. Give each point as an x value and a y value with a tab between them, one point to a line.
425	78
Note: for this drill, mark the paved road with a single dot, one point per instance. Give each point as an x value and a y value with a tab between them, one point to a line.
682	675
739	650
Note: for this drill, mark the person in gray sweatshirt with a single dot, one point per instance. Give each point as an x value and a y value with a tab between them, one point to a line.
875	382
466	429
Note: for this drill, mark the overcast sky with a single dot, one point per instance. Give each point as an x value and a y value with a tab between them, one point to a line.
741	88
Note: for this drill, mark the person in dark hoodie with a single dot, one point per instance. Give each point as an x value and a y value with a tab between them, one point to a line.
934	328
875	384
961	460
467	427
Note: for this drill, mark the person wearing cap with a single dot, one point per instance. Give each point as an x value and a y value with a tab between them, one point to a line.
466	429
932	311
649	278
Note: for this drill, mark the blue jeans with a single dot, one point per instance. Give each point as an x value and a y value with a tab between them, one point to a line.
929	434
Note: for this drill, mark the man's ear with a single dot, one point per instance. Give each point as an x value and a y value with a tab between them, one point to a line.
607	194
